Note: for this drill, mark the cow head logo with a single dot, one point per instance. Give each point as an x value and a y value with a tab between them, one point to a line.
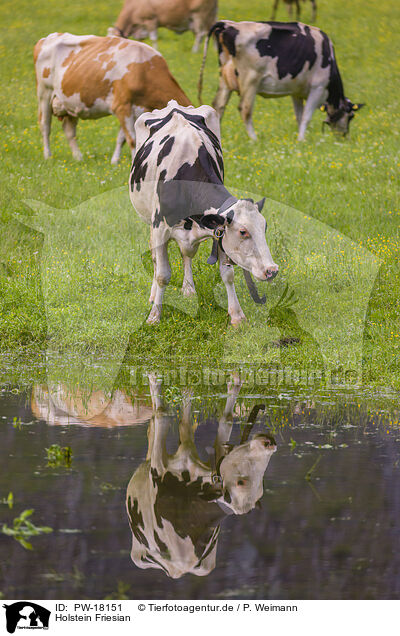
26	615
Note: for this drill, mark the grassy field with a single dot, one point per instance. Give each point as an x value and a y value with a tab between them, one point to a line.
75	275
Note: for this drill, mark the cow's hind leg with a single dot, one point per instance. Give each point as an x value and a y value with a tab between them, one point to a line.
163	273
69	126
228	276
126	118
222	96
315	99
298	9
44	118
118	146
248	93
298	106
154	283
200	31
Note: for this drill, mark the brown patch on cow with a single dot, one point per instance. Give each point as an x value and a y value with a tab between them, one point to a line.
138	87
85	73
228	72
37	49
123	45
46	72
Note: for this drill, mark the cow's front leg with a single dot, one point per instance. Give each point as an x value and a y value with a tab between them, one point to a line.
225	423
314	10
228	276
298	106
222	96
69	126
44	118
188	288
160	240
154	283
274	9
315	99
118	146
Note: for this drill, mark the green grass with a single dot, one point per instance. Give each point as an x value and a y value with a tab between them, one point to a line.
76	284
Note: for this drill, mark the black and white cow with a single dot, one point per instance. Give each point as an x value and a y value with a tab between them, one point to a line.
176	502
176	186
275	59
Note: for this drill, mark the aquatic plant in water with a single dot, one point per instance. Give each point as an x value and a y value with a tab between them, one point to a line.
22	529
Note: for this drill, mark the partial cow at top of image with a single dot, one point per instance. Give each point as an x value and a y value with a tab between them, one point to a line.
141	18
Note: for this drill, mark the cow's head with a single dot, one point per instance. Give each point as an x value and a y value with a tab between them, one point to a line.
241	231
242	472
339	118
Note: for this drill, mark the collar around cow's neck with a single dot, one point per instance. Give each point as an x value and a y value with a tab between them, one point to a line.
220	231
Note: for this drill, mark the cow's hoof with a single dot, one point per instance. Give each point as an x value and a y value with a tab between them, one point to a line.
237	320
154	316
77	156
114	161
188	289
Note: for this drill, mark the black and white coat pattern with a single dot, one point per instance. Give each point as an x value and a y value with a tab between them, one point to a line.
176	502
276	59
176	186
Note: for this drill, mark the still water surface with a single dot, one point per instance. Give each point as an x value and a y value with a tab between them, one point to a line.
236	508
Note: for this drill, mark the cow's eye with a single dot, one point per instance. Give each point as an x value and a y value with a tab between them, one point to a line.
244	233
240	482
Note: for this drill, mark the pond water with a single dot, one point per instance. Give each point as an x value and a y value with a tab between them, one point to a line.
241	496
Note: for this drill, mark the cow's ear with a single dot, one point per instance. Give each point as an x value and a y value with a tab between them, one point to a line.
212	221
323	108
357	106
260	204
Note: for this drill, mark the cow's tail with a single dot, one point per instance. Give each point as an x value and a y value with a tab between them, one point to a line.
211	32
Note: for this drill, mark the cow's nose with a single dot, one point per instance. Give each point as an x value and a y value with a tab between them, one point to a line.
271	272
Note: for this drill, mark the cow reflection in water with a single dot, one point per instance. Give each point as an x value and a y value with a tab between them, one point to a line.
175	503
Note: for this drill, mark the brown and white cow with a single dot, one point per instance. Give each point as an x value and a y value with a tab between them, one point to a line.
87	77
60	405
141	18
276	59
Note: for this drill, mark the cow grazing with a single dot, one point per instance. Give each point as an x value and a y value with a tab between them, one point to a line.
87	77
141	18
290	4
176	186
274	59
175	503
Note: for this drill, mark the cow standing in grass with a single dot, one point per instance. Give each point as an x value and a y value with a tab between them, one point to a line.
176	186
87	77
141	18
275	59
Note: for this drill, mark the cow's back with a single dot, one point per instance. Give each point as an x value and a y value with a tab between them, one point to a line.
174	144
